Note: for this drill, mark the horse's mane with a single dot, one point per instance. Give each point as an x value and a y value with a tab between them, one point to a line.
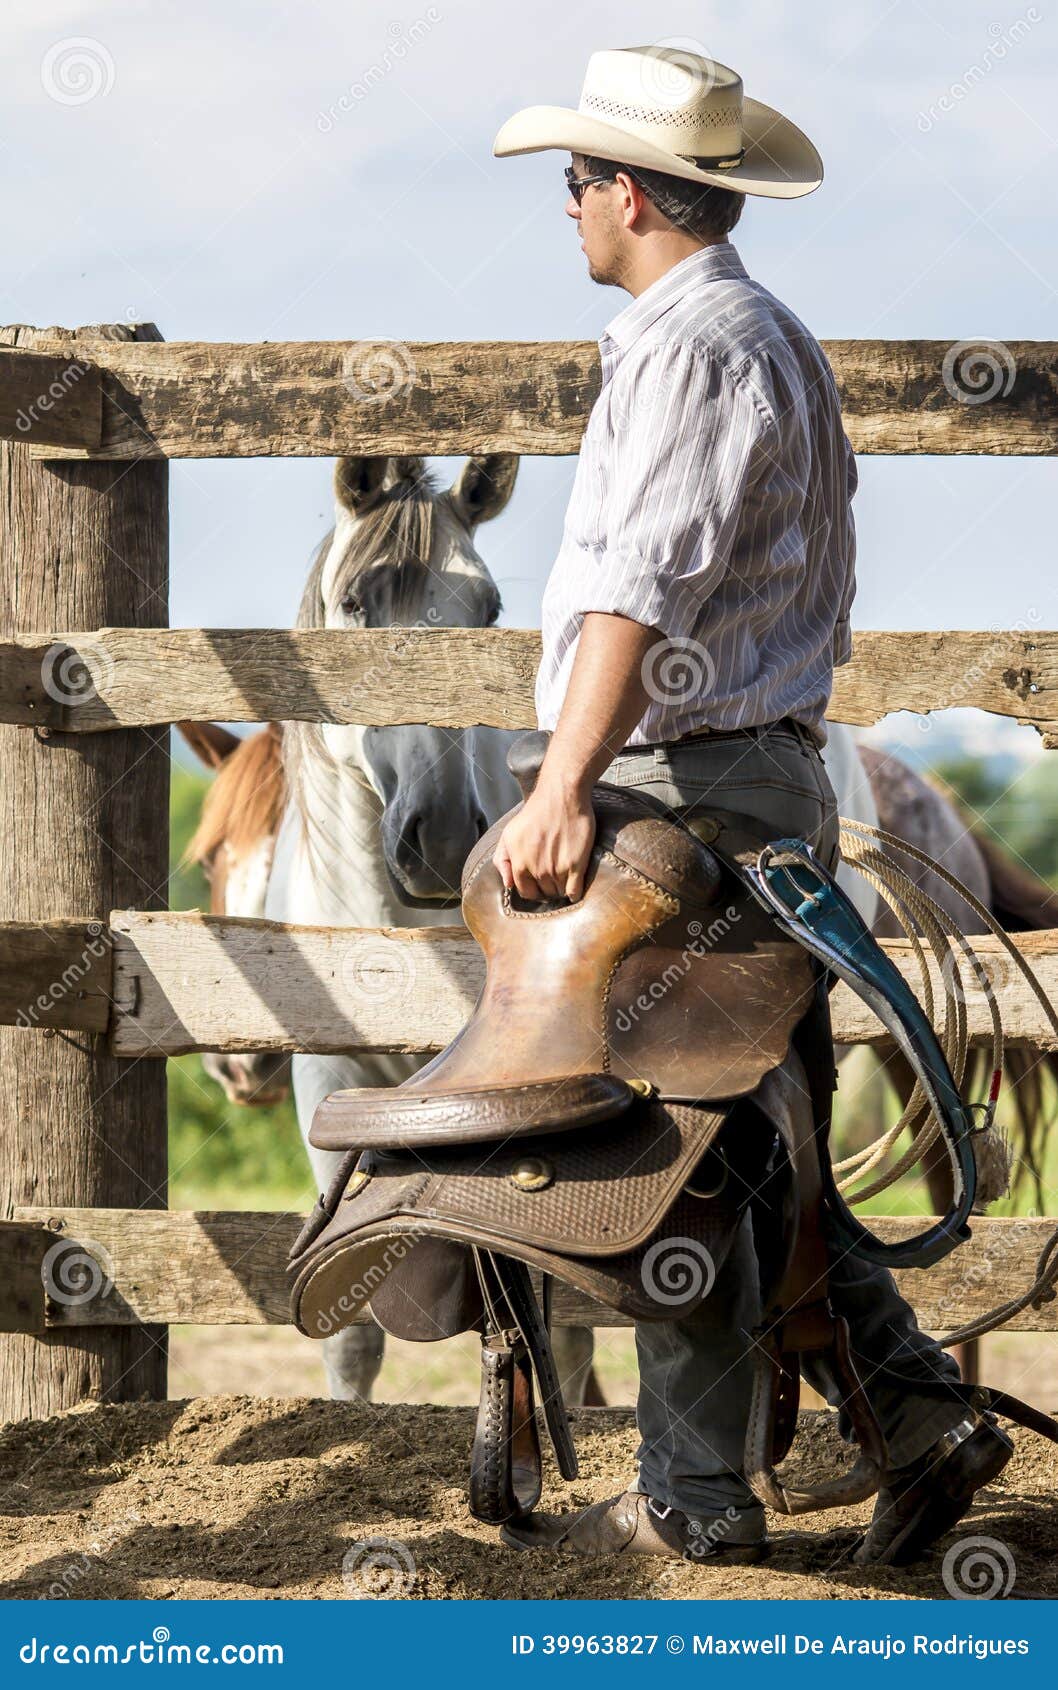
245	803
401	527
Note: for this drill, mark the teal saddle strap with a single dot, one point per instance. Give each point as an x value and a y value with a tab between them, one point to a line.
808	904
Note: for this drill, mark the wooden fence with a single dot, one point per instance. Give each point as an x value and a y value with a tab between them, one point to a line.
96	979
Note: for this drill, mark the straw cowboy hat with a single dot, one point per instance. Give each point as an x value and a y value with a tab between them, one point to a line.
679	112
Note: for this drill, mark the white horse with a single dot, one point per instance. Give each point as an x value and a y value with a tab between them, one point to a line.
380	819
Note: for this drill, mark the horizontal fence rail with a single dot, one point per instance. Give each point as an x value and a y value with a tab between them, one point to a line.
182	981
191	399
47	398
116	1267
454	677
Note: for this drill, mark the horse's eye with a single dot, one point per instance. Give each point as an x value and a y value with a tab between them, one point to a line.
351	605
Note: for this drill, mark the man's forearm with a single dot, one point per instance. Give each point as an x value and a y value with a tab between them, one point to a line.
604	701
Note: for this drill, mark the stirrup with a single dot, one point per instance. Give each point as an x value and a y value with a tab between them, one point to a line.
773	1417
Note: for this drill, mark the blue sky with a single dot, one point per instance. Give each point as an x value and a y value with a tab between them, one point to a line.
213	184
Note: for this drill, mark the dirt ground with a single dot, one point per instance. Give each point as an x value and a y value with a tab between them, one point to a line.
258	1497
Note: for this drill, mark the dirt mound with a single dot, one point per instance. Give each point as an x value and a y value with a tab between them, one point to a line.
238	1496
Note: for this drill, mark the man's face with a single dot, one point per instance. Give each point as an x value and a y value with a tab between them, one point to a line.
599	228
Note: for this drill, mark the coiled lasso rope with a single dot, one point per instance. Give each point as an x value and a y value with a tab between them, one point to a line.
921	918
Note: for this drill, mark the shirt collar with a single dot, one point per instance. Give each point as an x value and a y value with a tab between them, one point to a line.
708	264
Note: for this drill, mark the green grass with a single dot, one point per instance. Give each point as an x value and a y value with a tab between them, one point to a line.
222	1156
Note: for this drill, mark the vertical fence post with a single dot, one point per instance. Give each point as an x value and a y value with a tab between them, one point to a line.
83	829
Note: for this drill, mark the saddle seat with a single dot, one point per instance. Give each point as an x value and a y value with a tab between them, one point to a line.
665	976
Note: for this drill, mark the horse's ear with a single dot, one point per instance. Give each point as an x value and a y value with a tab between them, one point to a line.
211	743
358	482
484	486
409	470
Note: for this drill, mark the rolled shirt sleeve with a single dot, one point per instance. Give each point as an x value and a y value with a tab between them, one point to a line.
841	651
683	437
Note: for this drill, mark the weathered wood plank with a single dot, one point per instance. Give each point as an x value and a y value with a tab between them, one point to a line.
304	399
454	677
229	1269
184	981
83	827
55	974
50	400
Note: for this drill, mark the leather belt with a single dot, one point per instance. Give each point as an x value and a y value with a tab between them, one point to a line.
786	723
757	729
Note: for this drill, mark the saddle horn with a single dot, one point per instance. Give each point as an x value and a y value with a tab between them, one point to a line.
525	758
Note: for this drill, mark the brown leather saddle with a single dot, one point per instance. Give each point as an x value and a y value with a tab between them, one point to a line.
628	1085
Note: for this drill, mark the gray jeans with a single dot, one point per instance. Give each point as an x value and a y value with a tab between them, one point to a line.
695	1373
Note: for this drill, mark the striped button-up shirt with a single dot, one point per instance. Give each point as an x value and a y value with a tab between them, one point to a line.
712	502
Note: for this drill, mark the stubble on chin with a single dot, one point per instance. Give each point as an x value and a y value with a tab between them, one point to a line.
605	278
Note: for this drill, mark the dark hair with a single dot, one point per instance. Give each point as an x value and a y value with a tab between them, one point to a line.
705	211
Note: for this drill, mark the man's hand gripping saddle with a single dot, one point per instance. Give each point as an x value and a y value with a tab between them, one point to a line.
628	1085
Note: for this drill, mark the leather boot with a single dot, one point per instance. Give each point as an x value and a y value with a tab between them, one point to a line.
631	1524
918	1503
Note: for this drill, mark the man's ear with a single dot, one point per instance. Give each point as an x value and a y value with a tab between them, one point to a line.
636	196
484	487
358	482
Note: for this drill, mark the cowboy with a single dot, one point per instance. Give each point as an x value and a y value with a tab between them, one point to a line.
692	621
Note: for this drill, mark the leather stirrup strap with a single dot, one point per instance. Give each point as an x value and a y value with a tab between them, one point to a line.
800	1320
506	1472
505	1466
521	1299
807	903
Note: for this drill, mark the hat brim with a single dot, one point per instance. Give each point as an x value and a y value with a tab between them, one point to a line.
780	161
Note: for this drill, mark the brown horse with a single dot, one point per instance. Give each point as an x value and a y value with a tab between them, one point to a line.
233	845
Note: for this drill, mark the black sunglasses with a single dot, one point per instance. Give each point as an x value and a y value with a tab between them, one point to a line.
577	184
